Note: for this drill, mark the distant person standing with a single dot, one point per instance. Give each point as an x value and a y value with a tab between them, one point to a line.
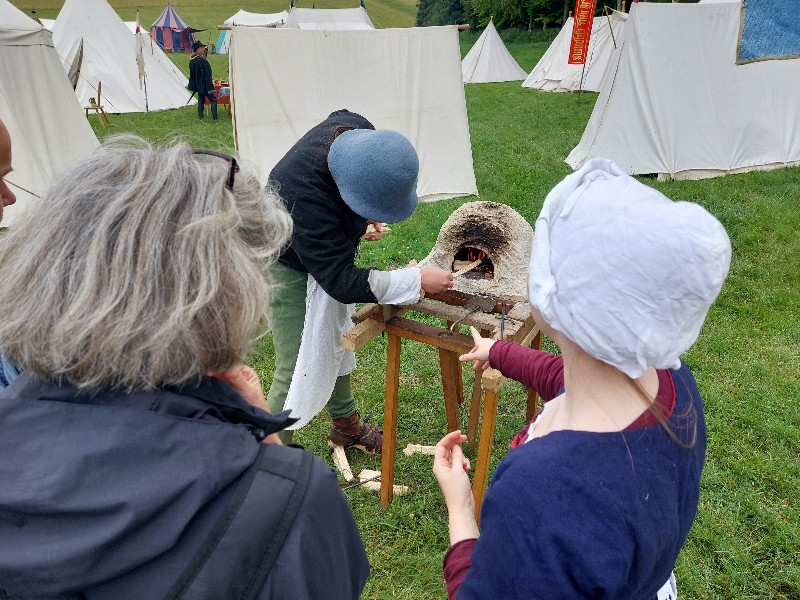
200	80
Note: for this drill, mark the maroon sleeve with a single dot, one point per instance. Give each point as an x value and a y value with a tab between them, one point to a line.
540	371
457	562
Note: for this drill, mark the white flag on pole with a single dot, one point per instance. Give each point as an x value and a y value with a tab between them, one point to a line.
139	55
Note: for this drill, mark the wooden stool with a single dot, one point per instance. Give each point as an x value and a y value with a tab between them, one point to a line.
373	319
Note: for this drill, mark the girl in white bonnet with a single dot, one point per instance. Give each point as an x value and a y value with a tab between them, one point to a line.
599	491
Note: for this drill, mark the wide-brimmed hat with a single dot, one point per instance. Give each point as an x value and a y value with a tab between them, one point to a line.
197	44
376	173
623	271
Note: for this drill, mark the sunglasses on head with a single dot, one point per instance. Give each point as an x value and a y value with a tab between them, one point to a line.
232	164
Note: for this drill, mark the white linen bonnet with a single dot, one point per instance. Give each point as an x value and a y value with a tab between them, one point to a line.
623	271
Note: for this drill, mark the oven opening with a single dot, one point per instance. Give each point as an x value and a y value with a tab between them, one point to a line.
467	255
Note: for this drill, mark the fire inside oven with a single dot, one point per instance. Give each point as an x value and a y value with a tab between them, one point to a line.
467	255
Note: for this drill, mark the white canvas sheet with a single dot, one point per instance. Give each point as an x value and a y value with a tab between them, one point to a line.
553	73
48	129
490	61
341	25
248	19
677	104
285	81
90	34
329	18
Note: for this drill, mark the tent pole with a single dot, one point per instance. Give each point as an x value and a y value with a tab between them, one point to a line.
610	28
146	103
583	70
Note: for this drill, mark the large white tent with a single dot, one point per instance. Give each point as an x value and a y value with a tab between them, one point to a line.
285	81
329	18
97	47
678	105
553	73
148	46
490	61
248	19
48	129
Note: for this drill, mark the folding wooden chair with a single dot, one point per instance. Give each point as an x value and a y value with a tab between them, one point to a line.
97	107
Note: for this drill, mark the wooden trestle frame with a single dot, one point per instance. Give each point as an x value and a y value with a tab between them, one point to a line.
519	327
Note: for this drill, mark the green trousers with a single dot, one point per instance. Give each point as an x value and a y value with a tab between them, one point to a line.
288	305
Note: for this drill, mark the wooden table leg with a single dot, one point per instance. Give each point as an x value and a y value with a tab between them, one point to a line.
475	404
481	478
533	397
491	388
448	361
390	418
474	410
459	380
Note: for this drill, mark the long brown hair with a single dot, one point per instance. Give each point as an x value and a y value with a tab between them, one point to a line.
689	416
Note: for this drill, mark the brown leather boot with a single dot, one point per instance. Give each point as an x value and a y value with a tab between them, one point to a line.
350	432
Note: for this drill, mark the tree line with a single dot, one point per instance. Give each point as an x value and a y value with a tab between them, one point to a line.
507	14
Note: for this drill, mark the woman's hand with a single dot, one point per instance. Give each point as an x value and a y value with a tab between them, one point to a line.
245	382
480	352
450	467
434	281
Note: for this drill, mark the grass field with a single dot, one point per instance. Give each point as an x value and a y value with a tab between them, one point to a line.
746	540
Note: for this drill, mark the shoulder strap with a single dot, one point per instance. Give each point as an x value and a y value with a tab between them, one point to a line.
236	557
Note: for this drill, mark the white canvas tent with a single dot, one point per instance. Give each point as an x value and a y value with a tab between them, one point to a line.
553	73
96	46
677	104
285	81
329	18
248	19
490	61
148	45
48	129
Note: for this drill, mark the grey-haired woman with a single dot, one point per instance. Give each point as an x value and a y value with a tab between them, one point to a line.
134	460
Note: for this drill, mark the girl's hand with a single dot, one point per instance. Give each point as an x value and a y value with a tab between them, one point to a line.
480	352
450	467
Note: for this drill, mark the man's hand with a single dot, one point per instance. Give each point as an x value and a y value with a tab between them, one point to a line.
375	231
434	281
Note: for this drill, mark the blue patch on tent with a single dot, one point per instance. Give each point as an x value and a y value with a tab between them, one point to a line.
770	29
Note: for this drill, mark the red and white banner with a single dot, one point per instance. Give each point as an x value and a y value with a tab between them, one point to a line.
581	30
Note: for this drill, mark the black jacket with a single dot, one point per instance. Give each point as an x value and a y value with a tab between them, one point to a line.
326	232
112	495
200	75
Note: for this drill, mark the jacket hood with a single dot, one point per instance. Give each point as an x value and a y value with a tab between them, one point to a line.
95	485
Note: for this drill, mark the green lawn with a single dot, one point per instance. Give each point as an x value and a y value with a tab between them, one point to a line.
746	540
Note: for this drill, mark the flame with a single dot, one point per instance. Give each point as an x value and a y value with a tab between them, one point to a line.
470	254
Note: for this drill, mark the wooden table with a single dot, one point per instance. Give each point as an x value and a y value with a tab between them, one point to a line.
221	100
519	327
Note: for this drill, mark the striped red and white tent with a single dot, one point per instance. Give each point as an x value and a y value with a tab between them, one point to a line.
171	32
